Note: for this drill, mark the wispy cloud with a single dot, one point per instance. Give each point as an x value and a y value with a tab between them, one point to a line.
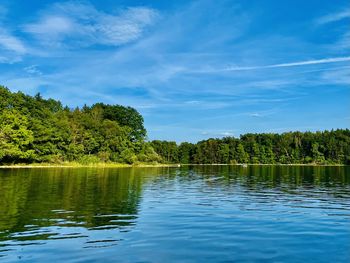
82	24
11	43
218	133
12	48
263	114
52	27
343	40
344	14
289	64
340	77
33	70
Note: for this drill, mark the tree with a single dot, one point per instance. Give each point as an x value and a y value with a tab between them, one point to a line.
318	157
224	153
15	137
242	156
185	152
125	116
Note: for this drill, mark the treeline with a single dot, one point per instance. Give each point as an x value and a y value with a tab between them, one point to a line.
328	147
37	130
33	129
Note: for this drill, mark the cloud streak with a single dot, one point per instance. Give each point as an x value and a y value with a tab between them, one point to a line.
333	17
291	64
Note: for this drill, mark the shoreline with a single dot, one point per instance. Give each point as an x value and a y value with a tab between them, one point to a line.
81	166
266	164
111	165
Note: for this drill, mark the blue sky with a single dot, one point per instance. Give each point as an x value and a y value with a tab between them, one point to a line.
194	69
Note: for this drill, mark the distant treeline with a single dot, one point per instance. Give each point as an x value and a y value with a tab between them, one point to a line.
36	130
328	147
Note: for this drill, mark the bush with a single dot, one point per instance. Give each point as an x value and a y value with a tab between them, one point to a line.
89	159
128	156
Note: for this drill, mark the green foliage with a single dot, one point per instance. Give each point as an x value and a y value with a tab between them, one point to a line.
15	137
128	156
185	152
125	116
167	150
89	159
33	129
328	147
241	155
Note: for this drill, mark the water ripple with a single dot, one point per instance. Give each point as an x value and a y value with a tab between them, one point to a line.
190	214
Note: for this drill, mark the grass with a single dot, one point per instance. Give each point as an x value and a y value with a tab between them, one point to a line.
122	165
80	165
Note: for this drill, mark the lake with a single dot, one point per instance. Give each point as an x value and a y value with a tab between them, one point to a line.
185	214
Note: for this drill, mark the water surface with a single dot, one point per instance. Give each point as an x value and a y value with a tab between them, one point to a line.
187	214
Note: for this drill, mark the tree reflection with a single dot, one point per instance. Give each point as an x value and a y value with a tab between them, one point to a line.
90	198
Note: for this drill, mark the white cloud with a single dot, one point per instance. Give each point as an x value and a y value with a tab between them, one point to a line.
209	69
11	43
12	48
10	59
310	62
291	64
33	70
340	77
193	102
51	25
272	66
219	133
126	27
333	17
83	25
255	114
344	42
264	113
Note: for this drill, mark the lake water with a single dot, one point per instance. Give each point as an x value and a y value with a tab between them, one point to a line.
186	214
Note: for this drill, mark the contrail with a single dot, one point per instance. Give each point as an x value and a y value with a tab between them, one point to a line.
292	64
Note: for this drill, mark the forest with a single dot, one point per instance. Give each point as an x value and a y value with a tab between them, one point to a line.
327	147
38	130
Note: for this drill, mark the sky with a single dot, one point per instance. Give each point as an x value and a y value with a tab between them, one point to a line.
193	69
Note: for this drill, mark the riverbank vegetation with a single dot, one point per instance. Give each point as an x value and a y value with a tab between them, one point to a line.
37	130
327	147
